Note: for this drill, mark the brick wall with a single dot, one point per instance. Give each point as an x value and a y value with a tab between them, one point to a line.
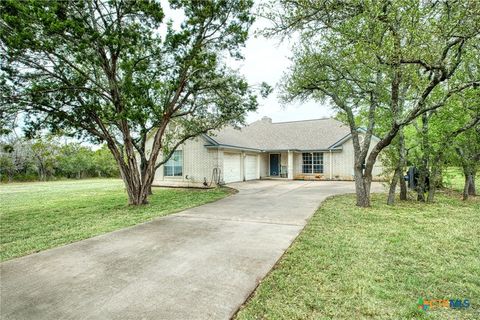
198	164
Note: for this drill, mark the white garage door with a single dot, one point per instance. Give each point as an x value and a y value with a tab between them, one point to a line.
250	167
231	167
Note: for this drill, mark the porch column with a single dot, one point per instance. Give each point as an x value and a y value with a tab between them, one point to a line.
290	165
243	158
259	174
331	165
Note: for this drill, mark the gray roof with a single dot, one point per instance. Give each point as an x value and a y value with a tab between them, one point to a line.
318	134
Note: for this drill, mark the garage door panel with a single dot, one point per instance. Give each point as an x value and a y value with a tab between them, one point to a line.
251	167
231	167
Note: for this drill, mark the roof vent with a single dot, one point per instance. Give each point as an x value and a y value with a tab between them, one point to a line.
267	119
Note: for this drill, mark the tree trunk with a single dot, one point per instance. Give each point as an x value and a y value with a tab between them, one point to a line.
393	186
137	193
421	184
136	187
439	183
403	188
466	186
423	168
403	164
432	188
362	188
471	187
41	174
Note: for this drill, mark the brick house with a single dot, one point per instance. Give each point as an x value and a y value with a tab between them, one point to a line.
320	149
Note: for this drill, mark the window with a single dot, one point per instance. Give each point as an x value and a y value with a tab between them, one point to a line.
307	163
174	166
317	162
312	162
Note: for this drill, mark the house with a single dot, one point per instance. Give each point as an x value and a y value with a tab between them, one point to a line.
318	149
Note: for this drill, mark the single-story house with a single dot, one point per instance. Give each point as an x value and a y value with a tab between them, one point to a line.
318	149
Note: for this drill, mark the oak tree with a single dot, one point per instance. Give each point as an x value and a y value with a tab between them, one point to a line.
120	72
393	61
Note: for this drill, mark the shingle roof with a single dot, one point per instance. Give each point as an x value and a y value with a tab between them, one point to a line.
318	134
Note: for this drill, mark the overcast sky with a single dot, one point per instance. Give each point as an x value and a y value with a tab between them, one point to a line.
267	60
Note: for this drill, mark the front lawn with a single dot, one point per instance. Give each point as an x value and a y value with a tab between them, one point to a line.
41	215
376	263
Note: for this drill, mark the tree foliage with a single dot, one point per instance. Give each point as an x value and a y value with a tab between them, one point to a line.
120	72
385	63
50	157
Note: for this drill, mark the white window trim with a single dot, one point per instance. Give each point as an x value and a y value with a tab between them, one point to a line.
183	166
314	164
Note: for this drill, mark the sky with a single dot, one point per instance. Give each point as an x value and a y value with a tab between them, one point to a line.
267	60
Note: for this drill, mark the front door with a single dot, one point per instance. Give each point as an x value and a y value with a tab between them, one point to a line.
274	165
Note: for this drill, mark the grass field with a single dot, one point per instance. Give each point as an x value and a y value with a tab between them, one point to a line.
40	215
375	263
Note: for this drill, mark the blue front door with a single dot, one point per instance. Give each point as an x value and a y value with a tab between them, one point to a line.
274	165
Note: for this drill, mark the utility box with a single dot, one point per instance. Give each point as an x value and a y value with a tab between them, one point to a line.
412	177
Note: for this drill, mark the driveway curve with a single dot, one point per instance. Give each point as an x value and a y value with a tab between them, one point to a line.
201	263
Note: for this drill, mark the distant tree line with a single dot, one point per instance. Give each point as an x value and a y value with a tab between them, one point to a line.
50	158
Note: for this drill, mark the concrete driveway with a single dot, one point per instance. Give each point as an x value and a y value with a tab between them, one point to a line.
201	263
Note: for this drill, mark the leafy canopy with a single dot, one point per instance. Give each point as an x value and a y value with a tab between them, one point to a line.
119	68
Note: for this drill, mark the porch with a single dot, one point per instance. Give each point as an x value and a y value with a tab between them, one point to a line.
292	164
280	165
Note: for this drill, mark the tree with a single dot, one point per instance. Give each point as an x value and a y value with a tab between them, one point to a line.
446	134
395	159
15	156
117	72
370	57
467	149
7	167
45	153
104	164
52	157
75	160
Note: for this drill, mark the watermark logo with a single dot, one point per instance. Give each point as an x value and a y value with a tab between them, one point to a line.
433	304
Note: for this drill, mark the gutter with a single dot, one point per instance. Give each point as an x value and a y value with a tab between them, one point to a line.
209	139
226	146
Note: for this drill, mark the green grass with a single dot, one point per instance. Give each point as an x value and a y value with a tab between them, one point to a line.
454	179
41	215
375	263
